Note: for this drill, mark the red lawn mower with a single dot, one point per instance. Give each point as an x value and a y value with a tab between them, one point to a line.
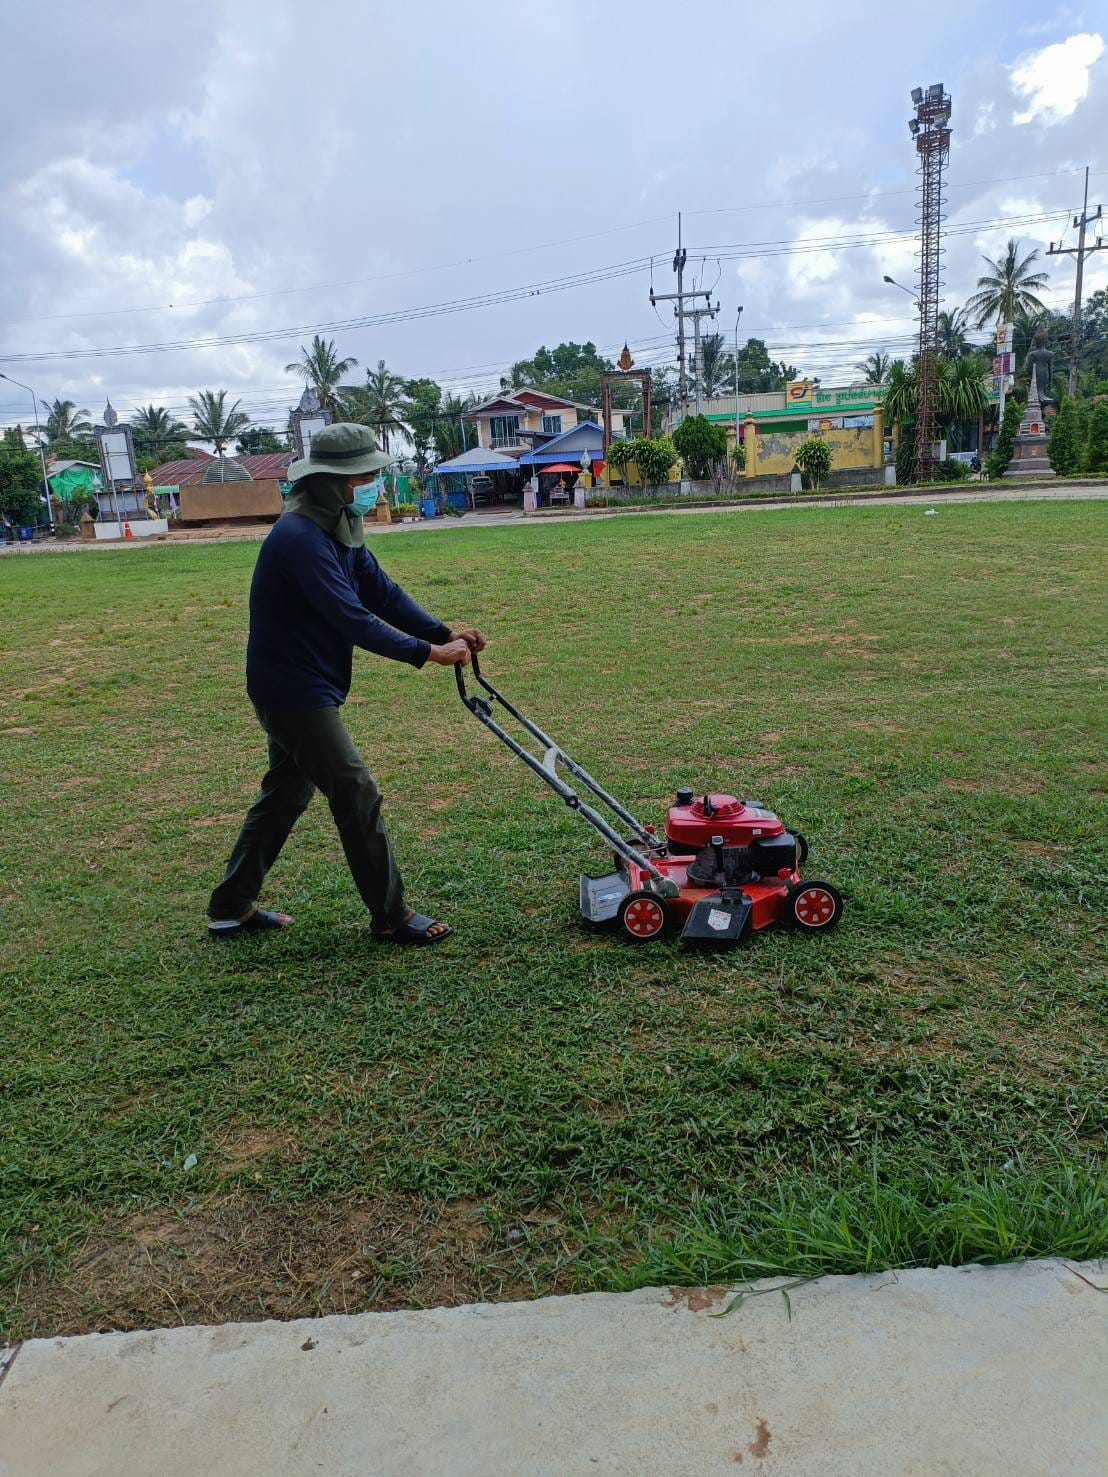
724	868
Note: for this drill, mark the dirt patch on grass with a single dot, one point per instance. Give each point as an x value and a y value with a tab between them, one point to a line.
246	1146
239	1257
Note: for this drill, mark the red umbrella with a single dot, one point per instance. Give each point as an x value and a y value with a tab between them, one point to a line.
560	467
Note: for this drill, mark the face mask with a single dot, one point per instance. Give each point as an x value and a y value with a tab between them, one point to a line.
365	498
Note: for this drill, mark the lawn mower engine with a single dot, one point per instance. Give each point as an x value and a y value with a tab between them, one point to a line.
725	867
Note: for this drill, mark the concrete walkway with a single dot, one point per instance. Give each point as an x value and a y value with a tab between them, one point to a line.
947	1373
1025	492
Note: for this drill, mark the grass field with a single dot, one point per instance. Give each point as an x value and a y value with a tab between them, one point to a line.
309	1122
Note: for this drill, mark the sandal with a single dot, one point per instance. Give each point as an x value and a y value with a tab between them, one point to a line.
259	921
414	930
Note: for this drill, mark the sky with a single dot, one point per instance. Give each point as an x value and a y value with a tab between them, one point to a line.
250	172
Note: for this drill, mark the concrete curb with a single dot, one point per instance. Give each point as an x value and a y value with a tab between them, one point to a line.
973	1371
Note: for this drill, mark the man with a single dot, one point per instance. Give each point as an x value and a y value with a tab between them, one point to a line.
317	592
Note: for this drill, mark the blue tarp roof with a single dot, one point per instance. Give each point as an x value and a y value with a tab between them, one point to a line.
584	436
477	459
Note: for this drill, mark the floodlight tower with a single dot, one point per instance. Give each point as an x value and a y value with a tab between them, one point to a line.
931	130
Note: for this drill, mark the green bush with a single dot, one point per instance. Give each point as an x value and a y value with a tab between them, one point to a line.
654	456
906	456
1065	439
702	446
19	484
1096	443
813	457
619	454
949	471
996	464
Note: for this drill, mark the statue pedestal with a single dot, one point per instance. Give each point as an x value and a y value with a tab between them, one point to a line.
1029	447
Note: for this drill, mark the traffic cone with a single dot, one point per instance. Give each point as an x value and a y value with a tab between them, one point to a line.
127	529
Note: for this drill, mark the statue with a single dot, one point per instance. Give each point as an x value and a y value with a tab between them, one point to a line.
1040	364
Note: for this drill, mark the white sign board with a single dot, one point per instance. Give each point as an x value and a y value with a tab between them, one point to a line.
115	454
310	426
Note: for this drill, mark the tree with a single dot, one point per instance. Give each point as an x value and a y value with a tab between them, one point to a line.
963	393
20	480
906	456
449	430
758	372
64	422
996	463
211	421
570	370
384	406
322	369
1065	439
875	368
654	456
702	446
813	457
716	370
1008	286
258	441
900	394
1096	443
954	335
155	420
424	398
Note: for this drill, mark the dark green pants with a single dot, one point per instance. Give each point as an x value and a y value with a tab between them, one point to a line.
309	750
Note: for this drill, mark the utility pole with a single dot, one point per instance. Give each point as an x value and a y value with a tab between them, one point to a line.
680	314
696	314
1080	251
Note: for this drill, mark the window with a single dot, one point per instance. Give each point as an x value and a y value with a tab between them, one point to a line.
503	430
552	425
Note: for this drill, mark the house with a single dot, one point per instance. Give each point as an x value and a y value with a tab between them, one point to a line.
525	418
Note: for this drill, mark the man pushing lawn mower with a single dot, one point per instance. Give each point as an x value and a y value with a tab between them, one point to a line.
318	592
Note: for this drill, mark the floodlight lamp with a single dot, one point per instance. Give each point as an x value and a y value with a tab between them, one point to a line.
917	94
935	92
913	124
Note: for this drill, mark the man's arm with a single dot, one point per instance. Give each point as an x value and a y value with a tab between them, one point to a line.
385	598
325	587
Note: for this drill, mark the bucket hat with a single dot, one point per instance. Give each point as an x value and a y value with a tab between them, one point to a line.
344	448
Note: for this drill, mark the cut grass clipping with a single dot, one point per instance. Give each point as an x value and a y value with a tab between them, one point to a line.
304	1122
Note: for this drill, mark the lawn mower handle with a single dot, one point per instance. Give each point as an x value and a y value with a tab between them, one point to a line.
546	768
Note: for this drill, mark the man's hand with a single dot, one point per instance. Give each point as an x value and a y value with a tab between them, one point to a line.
453	653
472	638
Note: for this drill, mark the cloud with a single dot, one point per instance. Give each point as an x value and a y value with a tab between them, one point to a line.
1054	80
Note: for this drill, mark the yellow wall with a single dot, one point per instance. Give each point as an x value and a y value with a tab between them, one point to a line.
852	447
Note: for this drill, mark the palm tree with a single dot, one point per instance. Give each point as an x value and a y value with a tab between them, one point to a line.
875	368
717	366
155	420
64	422
963	394
212	422
386	403
900	393
321	368
953	335
1007	287
449	428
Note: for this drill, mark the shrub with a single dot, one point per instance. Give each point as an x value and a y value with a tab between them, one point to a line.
702	446
738	457
813	457
619	454
906	456
949	471
996	463
654	456
1096	443
1065	439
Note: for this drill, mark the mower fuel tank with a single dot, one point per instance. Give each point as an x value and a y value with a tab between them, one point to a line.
691	826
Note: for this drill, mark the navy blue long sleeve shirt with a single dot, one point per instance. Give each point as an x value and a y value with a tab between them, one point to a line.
312	600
